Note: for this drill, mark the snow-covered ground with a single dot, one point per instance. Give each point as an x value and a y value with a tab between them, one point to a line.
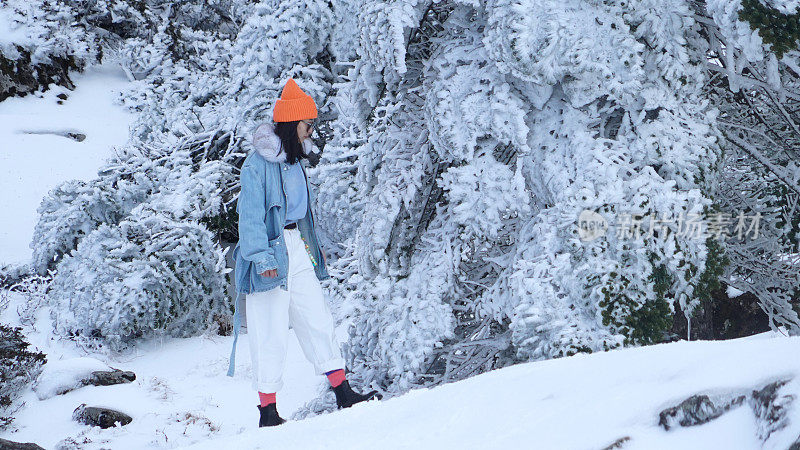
181	395
182	398
35	156
581	402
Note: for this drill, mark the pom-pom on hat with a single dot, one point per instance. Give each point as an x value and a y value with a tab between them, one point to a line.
294	104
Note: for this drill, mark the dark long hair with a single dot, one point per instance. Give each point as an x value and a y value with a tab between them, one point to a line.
290	143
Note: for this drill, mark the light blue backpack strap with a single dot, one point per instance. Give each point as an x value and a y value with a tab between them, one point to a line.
237	321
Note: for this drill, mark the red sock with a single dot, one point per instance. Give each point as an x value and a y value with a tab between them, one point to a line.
266	399
336	377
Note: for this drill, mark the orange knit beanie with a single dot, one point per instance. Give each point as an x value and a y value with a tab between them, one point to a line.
294	104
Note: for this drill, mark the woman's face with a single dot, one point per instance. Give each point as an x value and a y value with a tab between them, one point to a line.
304	129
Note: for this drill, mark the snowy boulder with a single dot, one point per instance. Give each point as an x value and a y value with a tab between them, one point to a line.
100	417
110	377
733	292
10	445
59	377
619	443
696	410
770	406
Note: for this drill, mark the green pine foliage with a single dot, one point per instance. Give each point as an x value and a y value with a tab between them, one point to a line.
18	367
716	262
780	30
641	323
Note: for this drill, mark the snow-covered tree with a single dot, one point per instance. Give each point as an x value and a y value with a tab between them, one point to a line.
19	366
466	151
755	79
75	208
40	43
138	250
149	275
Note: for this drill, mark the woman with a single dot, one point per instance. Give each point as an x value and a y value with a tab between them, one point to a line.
279	264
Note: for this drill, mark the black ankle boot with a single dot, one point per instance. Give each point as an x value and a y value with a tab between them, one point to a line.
346	397
269	416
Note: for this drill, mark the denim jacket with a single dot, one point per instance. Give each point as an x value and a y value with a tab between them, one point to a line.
262	212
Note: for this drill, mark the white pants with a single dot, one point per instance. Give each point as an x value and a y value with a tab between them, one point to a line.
270	313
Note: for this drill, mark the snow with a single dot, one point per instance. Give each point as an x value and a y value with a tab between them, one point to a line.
32	164
10	30
783	6
181	394
183	399
733	292
585	401
61	376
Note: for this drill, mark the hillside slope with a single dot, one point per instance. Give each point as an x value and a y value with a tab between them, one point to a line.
580	402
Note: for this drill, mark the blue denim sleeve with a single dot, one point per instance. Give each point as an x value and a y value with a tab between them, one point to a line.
253	237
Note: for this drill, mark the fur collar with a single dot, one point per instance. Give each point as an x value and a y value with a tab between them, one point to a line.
268	144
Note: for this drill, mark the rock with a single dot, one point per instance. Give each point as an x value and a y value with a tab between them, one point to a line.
108	378
618	443
770	409
9	445
100	417
695	410
80	137
74	135
62	376
22	75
